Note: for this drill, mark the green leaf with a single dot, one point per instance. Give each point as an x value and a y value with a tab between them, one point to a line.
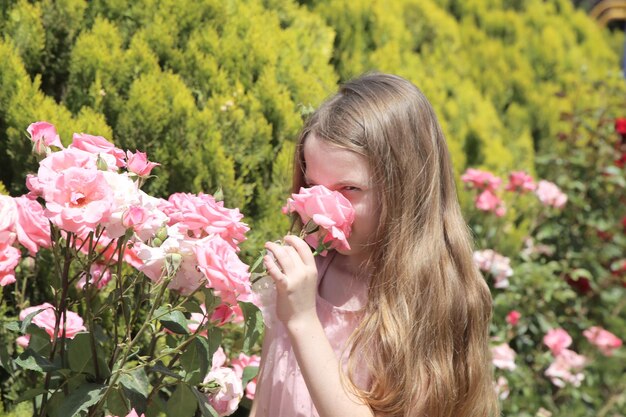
30	394
253	325
117	403
81	359
28	319
195	360
81	399
33	361
182	403
192	306
203	403
215	340
175	321
159	367
136	381
12	326
249	373
39	340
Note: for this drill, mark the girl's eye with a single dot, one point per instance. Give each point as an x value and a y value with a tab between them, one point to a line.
351	188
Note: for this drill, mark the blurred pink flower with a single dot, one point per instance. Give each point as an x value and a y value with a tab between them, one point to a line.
46	319
198	320
550	194
43	135
503	357
606	341
100	276
9	258
330	210
488	201
566	369
521	182
239	364
513	317
557	340
32	226
226	399
138	163
98	145
79	200
476	178
223	269
225	313
502	388
132	413
218	359
497	265
201	215
8	219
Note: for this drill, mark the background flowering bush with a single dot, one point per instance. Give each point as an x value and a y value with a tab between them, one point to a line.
141	292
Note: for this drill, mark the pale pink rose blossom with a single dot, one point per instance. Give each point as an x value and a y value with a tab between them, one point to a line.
513	317
497	265
219	358
55	164
43	135
606	341
242	362
98	145
201	215
566	369
330	210
222	314
223	269
79	200
489	201
503	357
226	399
482	180
8	218
32	226
46	319
125	194
198	320
138	163
542	412
557	340
100	276
502	388
550	194
9	258
521	182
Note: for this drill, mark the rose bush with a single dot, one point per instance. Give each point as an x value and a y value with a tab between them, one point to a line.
141	292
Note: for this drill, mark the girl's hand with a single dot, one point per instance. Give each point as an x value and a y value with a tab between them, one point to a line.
295	274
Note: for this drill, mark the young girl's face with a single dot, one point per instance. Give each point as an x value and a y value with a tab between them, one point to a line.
348	173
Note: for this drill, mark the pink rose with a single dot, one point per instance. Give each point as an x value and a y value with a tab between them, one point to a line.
201	215
606	341
242	362
79	200
32	227
503	357
330	210
98	145
43	135
513	317
55	164
497	265
557	340
223	269
476	178
501	387
46	319
219	359
198	320
488	201
100	276
565	369
226	399
138	163
550	194
132	413
521	182
223	314
9	258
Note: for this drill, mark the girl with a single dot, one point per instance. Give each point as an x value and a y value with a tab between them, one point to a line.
398	324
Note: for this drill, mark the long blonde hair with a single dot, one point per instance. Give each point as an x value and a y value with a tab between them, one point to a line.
427	317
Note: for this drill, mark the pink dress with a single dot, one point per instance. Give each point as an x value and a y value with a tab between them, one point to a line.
282	391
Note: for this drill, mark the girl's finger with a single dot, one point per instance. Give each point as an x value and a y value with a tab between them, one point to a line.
281	255
302	248
274	271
